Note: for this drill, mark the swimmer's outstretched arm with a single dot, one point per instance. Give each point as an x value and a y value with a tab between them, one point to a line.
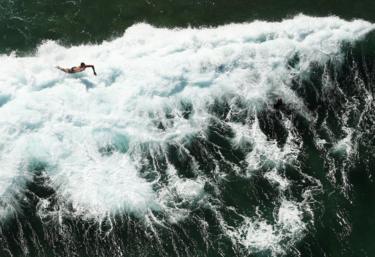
93	68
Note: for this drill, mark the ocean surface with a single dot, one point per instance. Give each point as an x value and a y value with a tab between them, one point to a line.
213	128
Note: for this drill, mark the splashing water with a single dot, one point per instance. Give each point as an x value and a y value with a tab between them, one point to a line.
149	136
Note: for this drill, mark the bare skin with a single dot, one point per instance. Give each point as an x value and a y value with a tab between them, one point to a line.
77	69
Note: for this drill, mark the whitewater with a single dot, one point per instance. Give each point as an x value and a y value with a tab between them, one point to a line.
124	142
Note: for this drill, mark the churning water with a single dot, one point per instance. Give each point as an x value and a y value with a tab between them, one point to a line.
237	140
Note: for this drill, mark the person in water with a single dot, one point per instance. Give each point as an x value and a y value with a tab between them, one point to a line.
76	69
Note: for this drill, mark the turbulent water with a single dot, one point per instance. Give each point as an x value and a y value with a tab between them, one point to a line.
251	139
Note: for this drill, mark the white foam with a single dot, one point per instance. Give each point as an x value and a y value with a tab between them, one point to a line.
179	195
344	146
260	235
264	150
56	117
277	179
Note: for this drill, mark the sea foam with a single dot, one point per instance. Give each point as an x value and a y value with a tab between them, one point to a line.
65	122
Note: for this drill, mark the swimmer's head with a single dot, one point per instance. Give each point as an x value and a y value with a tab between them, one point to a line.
82	64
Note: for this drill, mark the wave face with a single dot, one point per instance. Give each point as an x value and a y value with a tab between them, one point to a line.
241	140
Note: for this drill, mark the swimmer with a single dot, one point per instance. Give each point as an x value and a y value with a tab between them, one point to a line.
77	69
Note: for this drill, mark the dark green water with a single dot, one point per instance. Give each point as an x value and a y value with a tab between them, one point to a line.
334	190
24	24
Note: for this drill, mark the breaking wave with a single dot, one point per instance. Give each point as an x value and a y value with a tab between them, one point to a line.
203	128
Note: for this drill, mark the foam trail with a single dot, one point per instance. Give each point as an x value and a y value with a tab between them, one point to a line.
86	130
257	235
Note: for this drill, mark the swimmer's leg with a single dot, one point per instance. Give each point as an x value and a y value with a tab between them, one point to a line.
63	69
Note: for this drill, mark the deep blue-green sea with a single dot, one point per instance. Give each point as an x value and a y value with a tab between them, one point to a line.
212	128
